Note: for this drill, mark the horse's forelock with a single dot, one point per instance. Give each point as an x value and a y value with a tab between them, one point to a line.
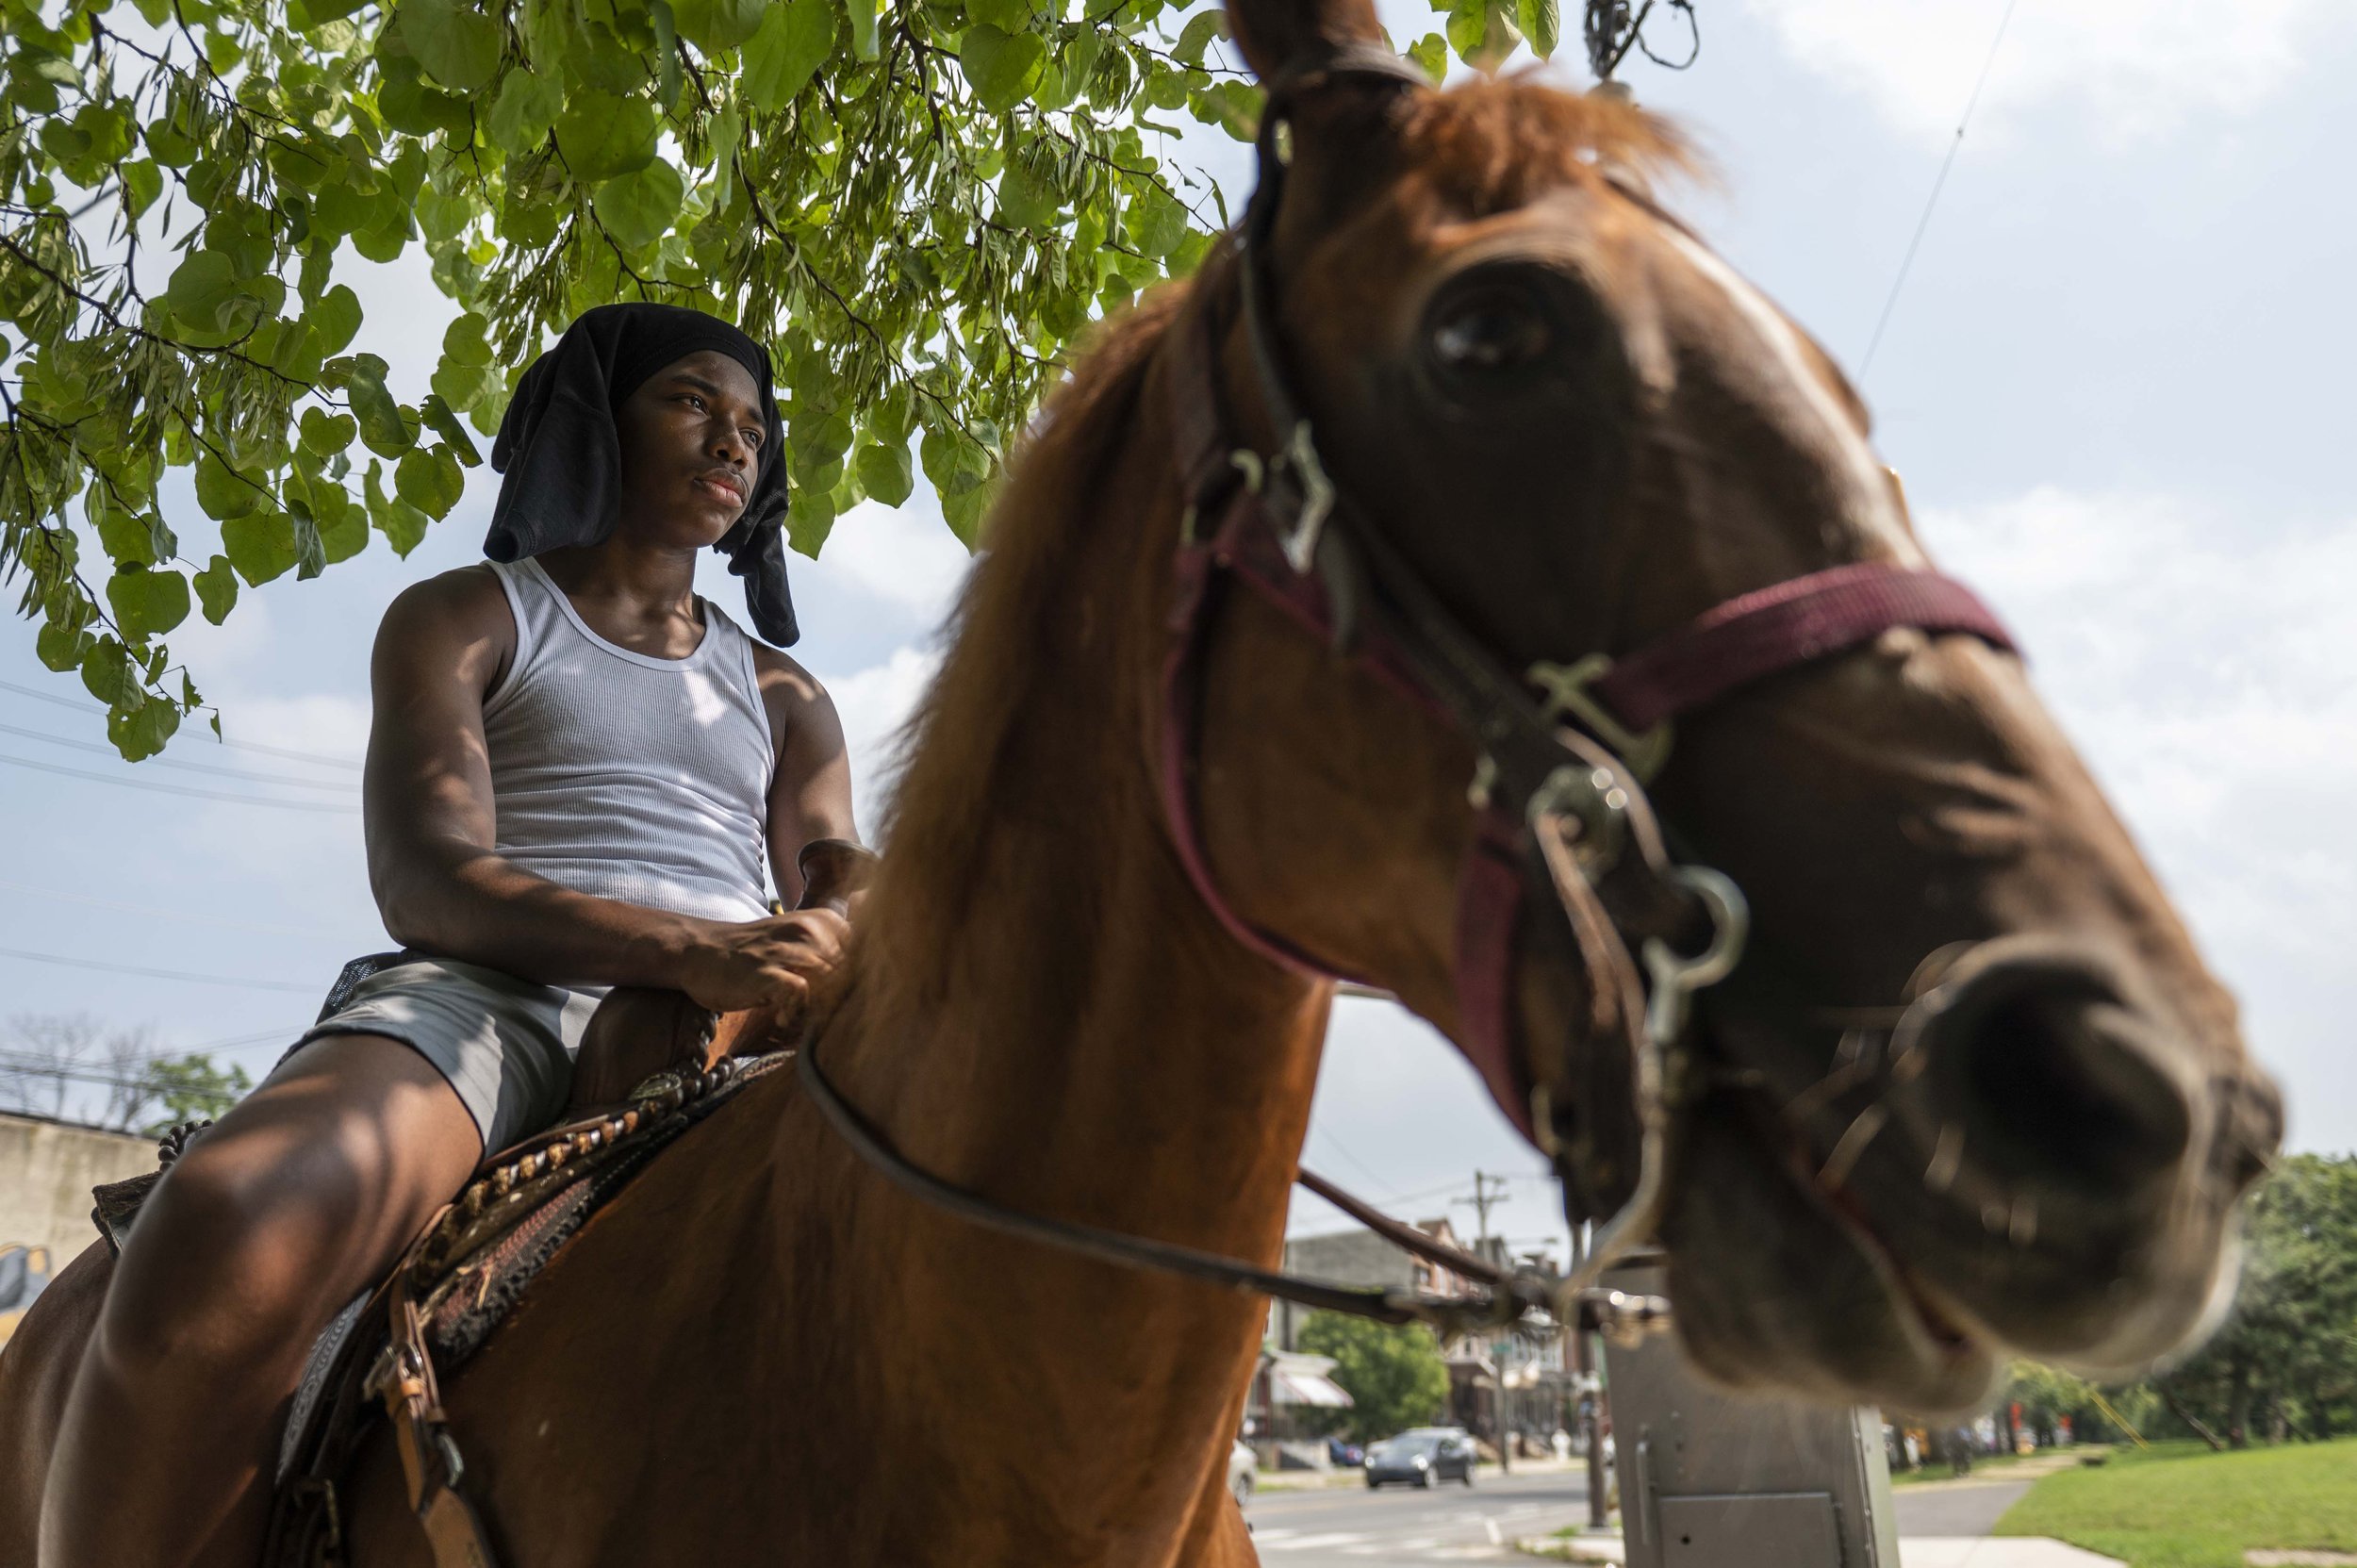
1494	143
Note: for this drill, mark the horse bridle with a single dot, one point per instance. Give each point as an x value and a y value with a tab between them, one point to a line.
1562	754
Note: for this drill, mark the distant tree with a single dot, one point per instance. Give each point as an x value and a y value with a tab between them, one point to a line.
122	1082
1393	1374
192	1088
2285	1359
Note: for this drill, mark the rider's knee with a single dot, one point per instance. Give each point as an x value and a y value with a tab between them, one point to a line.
228	1254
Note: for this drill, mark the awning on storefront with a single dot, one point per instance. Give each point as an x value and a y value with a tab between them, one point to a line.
1300	1386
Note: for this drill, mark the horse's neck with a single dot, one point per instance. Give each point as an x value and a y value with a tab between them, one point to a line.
1080	1040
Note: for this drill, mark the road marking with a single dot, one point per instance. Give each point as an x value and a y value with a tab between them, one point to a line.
1314	1543
1497	1537
1421	1543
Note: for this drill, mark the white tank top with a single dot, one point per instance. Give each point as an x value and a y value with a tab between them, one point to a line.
626	776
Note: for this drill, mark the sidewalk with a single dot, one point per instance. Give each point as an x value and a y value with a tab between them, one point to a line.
1913	1552
1942	1524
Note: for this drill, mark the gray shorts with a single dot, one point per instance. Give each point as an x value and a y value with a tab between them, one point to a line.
506	1045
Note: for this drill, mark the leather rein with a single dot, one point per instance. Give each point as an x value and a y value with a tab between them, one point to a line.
1564	752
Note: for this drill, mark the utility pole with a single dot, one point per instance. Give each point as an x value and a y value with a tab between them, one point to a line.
1488	1192
1591	1394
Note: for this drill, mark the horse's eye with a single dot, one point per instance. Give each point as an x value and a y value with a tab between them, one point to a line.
1493	330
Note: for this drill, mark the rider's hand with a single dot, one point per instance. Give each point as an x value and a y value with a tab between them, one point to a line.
770	963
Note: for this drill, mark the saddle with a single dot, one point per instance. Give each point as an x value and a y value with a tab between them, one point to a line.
459	1281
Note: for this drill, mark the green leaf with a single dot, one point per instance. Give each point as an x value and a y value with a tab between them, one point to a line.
864	44
1542	23
1155	222
794	41
809	521
1002	68
443	422
335	317
205	293
328	434
147	602
1196	38
61	645
430	480
216	589
343	528
467	340
458	46
524	111
1233	104
106	671
142	182
381	425
261	545
1468	24
639	208
1431	52
224	492
139	727
601	136
469	387
402	524
129	539
885	472
715	25
1008	16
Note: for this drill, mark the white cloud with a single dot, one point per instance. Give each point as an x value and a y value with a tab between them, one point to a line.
874	703
2205	674
2136	68
906	556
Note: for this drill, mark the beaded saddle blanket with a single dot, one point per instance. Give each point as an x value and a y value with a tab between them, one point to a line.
458	1282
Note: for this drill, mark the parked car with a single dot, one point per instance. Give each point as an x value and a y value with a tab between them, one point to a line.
1348	1455
1242	1464
1422	1456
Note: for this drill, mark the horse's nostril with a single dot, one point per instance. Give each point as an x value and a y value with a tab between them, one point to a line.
2055	1082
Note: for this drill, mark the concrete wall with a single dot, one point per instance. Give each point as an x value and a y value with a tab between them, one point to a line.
46	1171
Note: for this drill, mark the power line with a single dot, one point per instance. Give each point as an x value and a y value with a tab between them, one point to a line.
254	746
154	787
1938	185
182	915
98	750
158	974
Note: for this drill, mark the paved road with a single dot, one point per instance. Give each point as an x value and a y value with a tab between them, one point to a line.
1954	1507
1399	1526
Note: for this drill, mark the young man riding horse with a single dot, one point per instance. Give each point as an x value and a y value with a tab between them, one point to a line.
575	766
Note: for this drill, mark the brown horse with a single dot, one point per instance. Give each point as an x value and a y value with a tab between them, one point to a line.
1582	429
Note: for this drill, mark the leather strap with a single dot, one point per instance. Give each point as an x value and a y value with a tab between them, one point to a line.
402	1379
1782	627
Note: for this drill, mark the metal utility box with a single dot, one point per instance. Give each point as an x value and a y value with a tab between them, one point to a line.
1711	1480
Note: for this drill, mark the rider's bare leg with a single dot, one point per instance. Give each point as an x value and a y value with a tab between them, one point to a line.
296	1201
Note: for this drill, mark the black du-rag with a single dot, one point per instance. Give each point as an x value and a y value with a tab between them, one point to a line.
562	457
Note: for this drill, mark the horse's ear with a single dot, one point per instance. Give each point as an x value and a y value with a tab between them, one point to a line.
1274	34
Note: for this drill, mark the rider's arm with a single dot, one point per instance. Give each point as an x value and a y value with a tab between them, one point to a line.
810	798
427	798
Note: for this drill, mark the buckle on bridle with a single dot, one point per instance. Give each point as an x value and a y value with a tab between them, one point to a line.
1299	459
1567	694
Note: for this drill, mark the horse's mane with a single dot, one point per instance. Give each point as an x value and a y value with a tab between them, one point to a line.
1042	604
1036	600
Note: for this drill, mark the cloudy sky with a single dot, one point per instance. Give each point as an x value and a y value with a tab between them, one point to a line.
2116	384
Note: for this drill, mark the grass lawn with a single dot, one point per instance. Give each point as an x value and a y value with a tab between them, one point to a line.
2183	1507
